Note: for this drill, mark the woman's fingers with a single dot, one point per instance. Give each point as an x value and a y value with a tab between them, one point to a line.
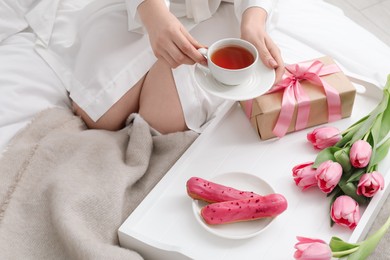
271	57
275	59
180	48
184	50
190	47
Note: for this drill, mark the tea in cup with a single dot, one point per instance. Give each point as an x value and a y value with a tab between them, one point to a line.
231	61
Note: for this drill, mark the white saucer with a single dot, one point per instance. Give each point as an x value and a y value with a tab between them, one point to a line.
261	81
238	230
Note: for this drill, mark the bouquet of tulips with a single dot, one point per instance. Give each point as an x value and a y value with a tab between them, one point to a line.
346	168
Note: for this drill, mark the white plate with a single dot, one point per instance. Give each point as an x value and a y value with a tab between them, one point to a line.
238	230
258	84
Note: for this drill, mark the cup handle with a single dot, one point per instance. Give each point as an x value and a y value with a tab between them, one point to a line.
203	51
205	68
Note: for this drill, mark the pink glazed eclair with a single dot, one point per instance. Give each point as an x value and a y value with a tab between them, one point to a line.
270	205
201	189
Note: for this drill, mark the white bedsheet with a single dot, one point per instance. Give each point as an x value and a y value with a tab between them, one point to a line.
27	85
306	29
303	29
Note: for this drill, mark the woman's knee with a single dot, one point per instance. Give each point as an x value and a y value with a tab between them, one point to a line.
115	117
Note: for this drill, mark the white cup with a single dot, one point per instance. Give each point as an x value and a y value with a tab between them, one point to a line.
230	76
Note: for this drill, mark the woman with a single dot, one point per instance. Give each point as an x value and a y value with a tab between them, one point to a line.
157	83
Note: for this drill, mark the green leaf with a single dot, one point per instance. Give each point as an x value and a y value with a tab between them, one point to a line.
368	246
375	130
381	152
368	123
374	138
387	86
350	189
356	175
342	157
340	247
325	155
349	133
385	119
355	125
362	131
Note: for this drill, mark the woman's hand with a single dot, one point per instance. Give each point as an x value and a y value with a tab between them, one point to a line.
253	30
168	37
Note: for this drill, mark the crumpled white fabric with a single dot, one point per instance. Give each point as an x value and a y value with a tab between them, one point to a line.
12	16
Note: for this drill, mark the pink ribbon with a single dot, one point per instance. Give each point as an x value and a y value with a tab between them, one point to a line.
293	93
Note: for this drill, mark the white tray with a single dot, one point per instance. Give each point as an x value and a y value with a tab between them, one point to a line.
163	226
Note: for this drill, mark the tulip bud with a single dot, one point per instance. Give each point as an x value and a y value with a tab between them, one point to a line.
328	175
345	211
323	137
304	175
370	184
308	248
360	154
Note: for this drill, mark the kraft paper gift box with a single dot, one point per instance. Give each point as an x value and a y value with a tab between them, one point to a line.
311	93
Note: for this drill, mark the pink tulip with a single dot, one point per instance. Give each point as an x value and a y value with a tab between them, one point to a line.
360	154
312	249
304	175
328	175
323	137
370	184
345	211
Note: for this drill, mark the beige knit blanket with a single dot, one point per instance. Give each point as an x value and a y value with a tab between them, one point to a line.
65	190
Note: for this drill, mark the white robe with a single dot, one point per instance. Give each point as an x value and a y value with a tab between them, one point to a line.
99	51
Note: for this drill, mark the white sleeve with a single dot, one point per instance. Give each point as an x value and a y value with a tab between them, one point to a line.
241	5
133	20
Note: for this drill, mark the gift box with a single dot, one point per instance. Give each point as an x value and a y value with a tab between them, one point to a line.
311	93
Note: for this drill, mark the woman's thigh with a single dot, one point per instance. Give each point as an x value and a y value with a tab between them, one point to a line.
115	117
159	101
154	97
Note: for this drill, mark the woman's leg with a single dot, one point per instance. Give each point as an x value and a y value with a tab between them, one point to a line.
159	101
115	118
154	97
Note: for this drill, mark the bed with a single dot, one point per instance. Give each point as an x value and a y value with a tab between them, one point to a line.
65	191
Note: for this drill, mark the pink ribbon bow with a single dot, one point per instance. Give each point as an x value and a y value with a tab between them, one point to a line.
294	93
